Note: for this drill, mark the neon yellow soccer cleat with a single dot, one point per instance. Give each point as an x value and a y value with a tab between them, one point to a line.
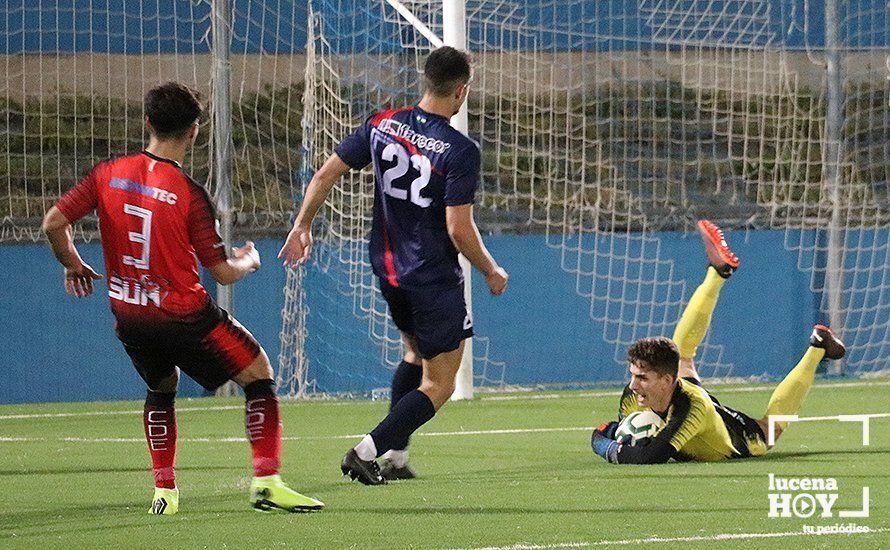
165	502
270	493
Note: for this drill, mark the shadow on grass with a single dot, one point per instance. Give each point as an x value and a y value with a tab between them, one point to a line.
112	517
597	470
123	515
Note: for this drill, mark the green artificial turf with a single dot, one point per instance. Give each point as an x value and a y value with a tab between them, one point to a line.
83	480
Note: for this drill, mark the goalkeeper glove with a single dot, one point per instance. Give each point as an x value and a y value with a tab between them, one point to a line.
604	445
608	429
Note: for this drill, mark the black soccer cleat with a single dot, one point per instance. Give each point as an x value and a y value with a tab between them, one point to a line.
719	255
391	472
822	337
365	471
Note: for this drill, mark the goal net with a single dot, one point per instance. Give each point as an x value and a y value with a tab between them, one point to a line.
75	74
607	129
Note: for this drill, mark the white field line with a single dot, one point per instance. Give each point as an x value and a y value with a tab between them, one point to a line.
722	390
112	413
665	540
573	395
290	438
839	416
356	436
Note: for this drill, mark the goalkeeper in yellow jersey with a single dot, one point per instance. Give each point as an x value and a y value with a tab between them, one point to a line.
664	380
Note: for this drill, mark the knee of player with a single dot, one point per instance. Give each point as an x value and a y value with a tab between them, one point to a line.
259	369
438	392
439	386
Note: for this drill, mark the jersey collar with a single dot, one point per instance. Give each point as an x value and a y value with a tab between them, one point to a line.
429	114
161	159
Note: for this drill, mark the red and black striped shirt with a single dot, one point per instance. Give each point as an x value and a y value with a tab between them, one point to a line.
156	223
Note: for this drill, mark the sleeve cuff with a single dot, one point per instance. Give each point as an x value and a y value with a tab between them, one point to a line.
351	163
63	208
459	202
605	447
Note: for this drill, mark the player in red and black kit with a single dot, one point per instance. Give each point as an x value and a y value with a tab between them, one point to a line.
156	224
426	177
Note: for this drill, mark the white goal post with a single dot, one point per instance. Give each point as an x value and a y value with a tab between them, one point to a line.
454	34
607	129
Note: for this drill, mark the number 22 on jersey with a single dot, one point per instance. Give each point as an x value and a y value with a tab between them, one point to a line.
396	175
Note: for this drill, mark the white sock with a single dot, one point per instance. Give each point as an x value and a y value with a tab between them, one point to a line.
399	459
366	448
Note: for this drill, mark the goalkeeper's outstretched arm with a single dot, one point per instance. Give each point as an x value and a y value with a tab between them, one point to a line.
684	422
654	450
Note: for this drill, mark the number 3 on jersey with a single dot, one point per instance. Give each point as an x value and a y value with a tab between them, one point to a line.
140	237
420	163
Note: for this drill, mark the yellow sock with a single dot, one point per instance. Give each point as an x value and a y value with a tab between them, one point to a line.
790	393
696	317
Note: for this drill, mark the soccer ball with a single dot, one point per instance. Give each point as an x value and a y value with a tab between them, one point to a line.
638	425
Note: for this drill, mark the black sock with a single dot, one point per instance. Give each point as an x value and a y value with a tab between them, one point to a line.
259	388
411	412
406	379
160	399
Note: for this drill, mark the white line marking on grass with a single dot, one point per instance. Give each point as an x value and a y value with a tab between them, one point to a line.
533	396
775	419
841	417
723	389
289	438
570	395
112	413
657	540
506	431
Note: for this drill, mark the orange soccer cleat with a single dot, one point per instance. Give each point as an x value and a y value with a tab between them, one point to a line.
719	255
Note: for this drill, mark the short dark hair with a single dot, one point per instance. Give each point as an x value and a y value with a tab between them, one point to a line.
658	353
171	109
446	69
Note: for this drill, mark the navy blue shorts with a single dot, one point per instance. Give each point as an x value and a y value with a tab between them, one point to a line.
437	319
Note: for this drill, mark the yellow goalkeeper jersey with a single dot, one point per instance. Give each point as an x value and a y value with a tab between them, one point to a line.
699	428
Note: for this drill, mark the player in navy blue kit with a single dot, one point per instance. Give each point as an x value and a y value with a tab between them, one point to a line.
426	177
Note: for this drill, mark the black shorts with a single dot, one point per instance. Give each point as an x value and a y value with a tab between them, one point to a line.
211	347
437	319
745	433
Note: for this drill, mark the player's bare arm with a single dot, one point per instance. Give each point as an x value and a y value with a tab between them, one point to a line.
79	276
298	245
244	260
465	236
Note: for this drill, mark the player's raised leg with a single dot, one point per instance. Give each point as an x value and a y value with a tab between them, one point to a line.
407	377
791	392
696	318
263	422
